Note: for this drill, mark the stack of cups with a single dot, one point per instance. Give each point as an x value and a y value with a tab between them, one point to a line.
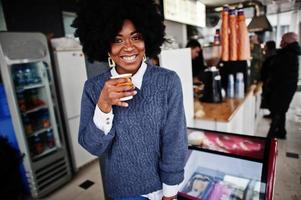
239	86
230	87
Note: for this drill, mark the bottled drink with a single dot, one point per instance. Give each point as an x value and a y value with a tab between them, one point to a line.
50	139
230	87
27	125
28	75
21	102
19	77
38	146
239	85
35	76
45	122
216	41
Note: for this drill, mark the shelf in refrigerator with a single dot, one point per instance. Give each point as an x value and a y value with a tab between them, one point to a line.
35	109
46	151
40	131
29	87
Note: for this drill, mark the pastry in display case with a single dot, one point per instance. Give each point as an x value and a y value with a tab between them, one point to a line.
222	166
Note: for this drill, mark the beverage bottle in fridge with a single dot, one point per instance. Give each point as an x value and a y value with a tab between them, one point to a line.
50	139
28	128
28	75
35	76
21	101
19	77
38	146
45	119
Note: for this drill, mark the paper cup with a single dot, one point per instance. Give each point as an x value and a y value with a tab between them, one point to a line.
124	84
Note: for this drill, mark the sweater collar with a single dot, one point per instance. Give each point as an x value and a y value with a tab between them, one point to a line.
137	78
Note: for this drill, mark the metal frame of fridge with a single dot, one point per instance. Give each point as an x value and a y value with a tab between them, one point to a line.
45	172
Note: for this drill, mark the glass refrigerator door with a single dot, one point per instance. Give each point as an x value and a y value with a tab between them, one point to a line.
33	96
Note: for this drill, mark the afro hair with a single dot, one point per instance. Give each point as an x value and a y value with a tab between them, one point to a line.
99	21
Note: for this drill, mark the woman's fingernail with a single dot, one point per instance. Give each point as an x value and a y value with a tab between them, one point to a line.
135	92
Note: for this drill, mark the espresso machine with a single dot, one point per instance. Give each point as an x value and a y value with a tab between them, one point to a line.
212	90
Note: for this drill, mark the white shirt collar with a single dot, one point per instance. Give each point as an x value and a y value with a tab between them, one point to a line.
137	78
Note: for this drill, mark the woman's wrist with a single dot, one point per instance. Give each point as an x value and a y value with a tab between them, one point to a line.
104	107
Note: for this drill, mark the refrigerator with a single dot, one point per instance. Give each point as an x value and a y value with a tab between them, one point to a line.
70	71
27	78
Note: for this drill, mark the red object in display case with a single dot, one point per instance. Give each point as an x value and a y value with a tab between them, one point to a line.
228	166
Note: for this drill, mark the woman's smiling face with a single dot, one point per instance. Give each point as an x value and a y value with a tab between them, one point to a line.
128	49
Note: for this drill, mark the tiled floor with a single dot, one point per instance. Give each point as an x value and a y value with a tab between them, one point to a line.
288	175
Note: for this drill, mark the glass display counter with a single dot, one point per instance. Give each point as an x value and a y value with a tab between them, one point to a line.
222	166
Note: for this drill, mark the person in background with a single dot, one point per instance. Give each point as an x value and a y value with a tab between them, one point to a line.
257	58
283	83
198	63
266	70
143	140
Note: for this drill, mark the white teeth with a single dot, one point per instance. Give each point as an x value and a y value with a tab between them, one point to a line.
129	58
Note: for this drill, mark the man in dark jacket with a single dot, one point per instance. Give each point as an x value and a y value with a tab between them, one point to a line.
283	83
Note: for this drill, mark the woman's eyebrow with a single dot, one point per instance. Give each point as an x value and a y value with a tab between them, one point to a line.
132	33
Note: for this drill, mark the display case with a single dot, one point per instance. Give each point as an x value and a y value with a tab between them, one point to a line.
228	166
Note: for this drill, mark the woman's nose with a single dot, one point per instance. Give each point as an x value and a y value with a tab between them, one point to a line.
128	46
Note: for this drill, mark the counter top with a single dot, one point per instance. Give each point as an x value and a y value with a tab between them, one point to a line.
223	111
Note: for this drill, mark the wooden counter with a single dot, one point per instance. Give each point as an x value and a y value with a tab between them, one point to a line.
231	115
223	111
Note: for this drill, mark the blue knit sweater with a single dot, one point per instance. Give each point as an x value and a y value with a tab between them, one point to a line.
147	144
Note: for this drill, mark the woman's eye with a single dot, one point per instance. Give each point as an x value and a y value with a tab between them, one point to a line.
136	37
118	40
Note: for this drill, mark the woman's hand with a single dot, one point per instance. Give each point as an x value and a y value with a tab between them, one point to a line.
113	91
169	198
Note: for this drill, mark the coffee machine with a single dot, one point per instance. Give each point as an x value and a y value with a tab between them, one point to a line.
212	90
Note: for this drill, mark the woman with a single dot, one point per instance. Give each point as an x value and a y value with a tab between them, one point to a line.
143	140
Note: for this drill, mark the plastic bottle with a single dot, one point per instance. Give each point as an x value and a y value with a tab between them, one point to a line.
217	39
239	86
50	139
38	146
230	86
19	76
28	75
35	76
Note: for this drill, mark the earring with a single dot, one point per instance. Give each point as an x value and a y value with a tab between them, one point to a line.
144	58
111	62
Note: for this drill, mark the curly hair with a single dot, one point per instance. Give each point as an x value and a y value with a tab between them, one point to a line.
99	21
